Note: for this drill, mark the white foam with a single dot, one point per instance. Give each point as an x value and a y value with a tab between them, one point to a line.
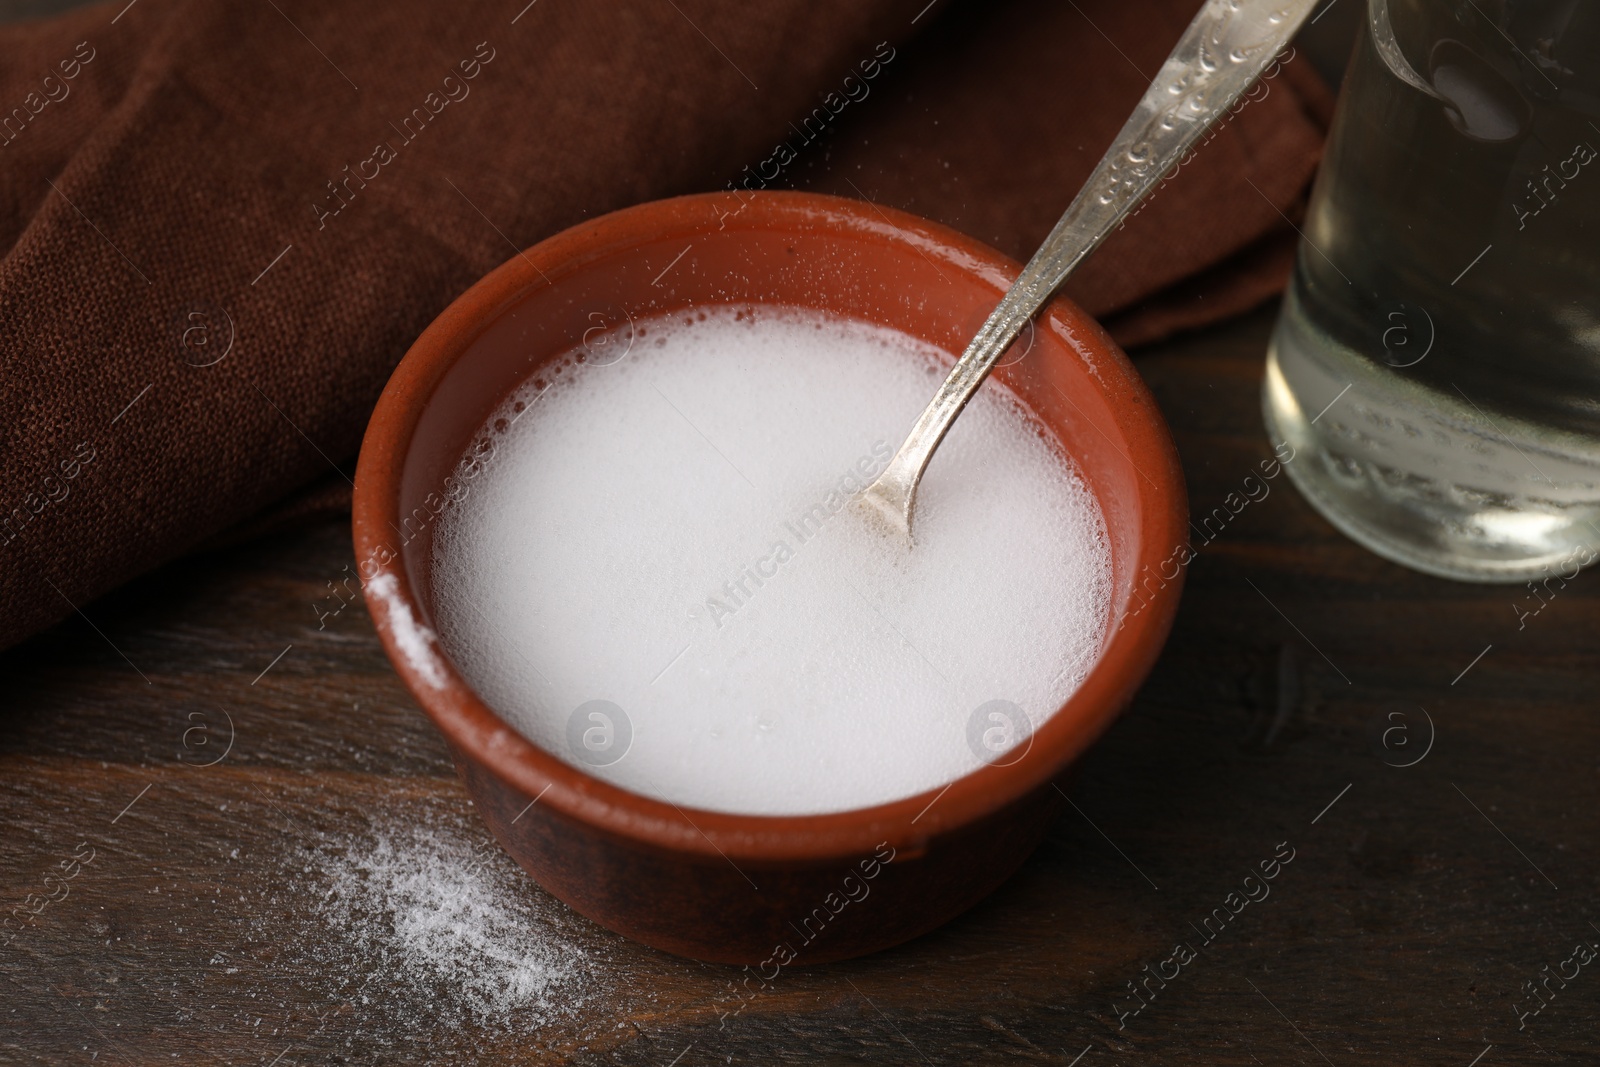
641	539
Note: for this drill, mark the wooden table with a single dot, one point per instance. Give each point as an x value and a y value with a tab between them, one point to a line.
1419	901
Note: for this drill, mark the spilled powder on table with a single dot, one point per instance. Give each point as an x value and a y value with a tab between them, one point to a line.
442	928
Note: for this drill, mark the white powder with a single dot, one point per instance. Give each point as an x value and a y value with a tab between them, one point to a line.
441	929
417	642
667	535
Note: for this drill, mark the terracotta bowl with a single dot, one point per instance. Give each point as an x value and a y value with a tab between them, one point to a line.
769	891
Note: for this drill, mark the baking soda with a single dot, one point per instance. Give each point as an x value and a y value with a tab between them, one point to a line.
442	928
658	577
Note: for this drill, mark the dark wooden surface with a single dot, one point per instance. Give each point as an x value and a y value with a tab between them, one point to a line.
1414	911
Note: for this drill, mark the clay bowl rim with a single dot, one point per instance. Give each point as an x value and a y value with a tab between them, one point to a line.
477	733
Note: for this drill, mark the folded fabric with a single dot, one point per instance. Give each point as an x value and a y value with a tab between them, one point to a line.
223	224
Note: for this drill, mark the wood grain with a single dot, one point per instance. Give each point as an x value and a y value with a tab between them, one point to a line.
1403	931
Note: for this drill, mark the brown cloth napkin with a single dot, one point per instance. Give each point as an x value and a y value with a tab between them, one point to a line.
224	221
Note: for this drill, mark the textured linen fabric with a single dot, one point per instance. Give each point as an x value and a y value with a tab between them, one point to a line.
224	221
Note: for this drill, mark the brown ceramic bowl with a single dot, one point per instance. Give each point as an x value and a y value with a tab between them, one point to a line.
770	891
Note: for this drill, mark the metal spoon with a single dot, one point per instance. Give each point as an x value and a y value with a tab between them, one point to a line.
1224	50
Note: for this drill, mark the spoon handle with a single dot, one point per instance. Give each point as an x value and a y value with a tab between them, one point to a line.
1224	50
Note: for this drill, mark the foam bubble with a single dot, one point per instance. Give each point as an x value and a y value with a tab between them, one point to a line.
657	578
